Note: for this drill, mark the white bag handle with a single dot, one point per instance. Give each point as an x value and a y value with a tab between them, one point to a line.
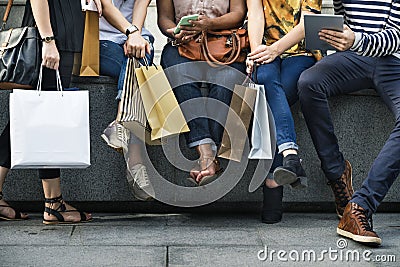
58	81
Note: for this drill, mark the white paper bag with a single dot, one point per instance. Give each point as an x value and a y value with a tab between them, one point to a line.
261	131
49	129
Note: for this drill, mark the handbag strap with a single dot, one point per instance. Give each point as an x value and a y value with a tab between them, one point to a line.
232	58
7	13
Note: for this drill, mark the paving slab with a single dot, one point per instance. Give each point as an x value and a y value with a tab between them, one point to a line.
301	239
248	256
82	256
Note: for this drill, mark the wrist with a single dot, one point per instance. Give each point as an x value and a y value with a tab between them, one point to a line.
48	39
131	30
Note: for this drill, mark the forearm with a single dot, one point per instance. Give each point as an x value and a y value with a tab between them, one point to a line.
233	19
256	23
293	37
140	13
114	16
165	16
40	10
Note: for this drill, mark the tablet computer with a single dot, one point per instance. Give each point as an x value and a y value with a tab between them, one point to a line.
313	23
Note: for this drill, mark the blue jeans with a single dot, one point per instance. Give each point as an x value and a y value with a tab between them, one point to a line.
187	81
346	72
113	61
280	81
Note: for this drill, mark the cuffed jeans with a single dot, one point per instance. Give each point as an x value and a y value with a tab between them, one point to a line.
346	72
204	117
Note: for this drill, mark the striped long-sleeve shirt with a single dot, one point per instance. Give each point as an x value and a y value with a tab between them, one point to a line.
376	24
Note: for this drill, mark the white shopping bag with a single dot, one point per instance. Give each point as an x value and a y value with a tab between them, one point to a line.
49	129
263	130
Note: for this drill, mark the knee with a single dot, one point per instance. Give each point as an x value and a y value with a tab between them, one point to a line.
308	85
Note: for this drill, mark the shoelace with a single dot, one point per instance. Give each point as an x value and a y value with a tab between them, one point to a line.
122	134
340	192
366	223
142	182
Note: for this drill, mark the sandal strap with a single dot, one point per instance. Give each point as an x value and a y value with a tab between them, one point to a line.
54	200
16	211
56	213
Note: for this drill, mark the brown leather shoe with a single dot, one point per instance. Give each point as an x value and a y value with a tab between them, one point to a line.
355	225
342	189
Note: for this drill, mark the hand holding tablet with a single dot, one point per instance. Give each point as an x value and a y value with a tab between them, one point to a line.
314	23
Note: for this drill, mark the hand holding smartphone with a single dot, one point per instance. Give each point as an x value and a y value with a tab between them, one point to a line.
185	22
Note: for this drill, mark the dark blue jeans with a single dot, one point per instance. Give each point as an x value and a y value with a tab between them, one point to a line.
113	61
205	118
346	72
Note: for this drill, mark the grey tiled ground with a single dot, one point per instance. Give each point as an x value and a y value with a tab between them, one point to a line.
189	240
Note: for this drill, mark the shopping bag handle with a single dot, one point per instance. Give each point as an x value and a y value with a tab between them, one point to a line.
58	81
146	63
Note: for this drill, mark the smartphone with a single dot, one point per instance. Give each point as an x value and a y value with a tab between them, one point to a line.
185	22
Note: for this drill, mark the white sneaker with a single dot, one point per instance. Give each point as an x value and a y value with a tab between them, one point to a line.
139	182
116	136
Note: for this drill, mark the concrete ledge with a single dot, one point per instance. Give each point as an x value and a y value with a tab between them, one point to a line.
362	124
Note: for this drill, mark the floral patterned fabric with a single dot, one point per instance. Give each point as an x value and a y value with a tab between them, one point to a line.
281	16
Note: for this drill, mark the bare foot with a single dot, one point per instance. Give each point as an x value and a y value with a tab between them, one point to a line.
9	213
208	168
71	214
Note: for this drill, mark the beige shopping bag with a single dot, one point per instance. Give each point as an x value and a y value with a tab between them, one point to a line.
237	123
87	63
162	109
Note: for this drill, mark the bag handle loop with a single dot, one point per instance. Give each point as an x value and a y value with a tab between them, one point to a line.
232	58
58	81
6	14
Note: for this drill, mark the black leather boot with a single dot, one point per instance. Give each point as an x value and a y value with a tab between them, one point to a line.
272	205
290	172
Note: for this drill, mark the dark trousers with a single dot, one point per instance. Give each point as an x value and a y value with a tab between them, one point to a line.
49	84
346	72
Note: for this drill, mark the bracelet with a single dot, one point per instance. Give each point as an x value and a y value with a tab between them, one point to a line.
48	39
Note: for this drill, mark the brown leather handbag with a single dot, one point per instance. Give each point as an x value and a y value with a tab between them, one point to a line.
217	47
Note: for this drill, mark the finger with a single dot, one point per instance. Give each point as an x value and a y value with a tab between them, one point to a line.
56	65
125	50
148	48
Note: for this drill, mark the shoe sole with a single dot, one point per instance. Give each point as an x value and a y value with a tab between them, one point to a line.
192	181
65	222
371	241
283	176
211	178
116	148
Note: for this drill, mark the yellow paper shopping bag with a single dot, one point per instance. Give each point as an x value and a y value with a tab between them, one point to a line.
164	115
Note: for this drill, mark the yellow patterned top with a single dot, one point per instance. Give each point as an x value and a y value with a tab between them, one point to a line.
281	16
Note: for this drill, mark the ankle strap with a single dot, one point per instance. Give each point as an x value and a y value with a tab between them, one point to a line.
54	200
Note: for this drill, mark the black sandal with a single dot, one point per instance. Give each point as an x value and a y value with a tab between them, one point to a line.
61	208
17	216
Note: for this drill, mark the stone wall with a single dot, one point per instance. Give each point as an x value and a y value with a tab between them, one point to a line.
362	124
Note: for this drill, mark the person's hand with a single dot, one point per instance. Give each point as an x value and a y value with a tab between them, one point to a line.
136	46
50	55
183	36
249	66
201	24
98	5
264	54
342	41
